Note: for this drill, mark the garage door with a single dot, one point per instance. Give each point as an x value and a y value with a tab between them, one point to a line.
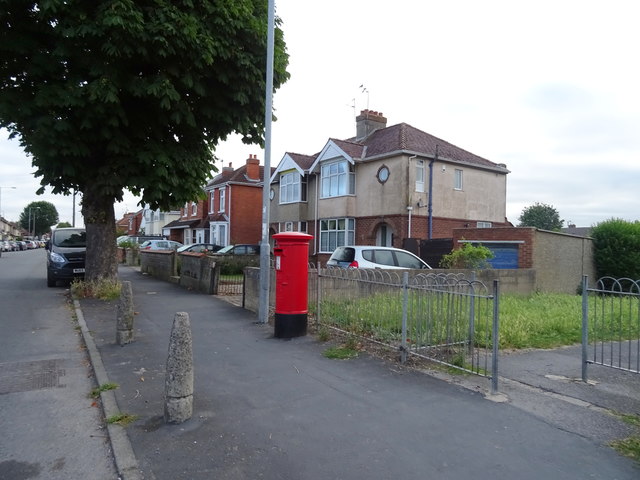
504	255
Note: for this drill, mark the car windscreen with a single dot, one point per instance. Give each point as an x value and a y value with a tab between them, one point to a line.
70	238
408	261
343	254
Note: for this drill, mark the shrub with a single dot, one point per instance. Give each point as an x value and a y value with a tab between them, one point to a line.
616	245
469	256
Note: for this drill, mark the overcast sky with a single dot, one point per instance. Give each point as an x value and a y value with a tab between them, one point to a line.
550	88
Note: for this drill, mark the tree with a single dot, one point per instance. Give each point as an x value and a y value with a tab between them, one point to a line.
64	225
616	246
541	215
38	217
114	95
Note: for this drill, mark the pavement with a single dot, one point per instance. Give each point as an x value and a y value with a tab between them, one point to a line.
278	409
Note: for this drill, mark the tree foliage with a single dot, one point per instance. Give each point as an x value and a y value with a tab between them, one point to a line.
115	95
38	217
469	256
541	215
617	248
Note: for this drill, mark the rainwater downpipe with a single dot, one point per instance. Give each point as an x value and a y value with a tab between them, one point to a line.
409	206
430	201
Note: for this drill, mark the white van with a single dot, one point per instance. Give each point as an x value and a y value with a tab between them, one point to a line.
371	256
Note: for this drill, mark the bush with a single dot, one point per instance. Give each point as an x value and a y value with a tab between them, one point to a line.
469	256
616	245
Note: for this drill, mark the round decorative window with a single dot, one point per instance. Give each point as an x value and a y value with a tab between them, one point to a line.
272	193
383	174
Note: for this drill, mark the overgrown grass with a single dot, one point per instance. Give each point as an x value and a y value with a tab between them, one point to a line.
95	392
542	320
629	447
100	289
122	419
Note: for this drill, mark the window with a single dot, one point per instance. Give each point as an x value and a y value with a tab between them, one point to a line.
293	188
288	227
383	174
483	224
420	176
185	209
222	205
337	180
384	236
194	208
211	197
457	182
218	234
336	232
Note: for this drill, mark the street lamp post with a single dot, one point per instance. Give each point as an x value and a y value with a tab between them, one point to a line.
1	198
34	220
35	214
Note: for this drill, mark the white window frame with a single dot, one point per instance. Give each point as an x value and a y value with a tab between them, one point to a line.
457	179
336	232
336	179
290	186
420	176
211	199
194	208
223	199
218	233
288	226
484	224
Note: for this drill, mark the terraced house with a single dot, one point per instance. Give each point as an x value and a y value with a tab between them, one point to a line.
391	186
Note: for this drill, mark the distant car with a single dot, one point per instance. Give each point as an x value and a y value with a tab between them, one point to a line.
138	238
242	249
200	248
160	245
371	256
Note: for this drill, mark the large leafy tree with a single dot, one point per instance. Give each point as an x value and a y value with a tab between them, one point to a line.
115	95
541	215
38	217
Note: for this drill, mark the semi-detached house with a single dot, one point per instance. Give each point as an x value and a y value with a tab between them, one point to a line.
385	186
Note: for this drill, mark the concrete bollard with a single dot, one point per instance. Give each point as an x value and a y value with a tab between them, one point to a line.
124	315
178	387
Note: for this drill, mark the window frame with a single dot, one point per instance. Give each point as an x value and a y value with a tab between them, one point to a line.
457	179
342	181
222	200
420	172
333	236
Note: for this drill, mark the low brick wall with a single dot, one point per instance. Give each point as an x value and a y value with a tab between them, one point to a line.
158	263
198	272
252	289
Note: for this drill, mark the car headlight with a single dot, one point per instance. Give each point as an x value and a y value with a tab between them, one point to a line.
57	258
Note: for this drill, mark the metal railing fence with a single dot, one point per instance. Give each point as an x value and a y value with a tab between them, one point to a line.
611	324
443	318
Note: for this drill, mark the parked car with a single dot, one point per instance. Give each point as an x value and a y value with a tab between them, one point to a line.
371	256
66	253
160	245
200	248
6	246
140	239
242	249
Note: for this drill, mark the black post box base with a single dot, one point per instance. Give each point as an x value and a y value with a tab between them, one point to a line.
290	325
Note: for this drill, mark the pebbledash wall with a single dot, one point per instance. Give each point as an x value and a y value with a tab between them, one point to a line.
558	259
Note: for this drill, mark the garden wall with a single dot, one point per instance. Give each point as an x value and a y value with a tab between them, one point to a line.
159	263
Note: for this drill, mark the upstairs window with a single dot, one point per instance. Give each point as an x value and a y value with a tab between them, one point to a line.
337	180
211	197
483	225
194	208
420	176
293	188
222	205
457	182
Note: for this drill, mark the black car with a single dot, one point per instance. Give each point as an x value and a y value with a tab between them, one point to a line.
200	248
242	249
66	253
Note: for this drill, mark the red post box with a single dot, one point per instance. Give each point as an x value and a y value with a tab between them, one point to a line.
291	254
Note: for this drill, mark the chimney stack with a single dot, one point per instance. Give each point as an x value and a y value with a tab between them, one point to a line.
227	169
253	167
368	122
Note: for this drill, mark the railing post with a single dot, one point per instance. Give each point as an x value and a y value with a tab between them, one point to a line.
585	325
496	340
472	314
405	307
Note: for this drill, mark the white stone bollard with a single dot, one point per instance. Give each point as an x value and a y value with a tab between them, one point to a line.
124	315
178	391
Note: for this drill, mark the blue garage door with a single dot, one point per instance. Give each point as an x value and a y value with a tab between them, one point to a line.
504	255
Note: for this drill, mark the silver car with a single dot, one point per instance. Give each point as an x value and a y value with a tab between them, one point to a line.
371	256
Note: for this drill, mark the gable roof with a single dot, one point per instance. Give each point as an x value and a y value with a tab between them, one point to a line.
238	176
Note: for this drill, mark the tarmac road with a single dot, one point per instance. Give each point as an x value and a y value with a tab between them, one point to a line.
50	428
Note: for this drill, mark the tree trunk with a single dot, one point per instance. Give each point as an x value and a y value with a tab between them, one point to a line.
100	222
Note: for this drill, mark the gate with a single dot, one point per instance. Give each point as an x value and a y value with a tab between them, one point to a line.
611	324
